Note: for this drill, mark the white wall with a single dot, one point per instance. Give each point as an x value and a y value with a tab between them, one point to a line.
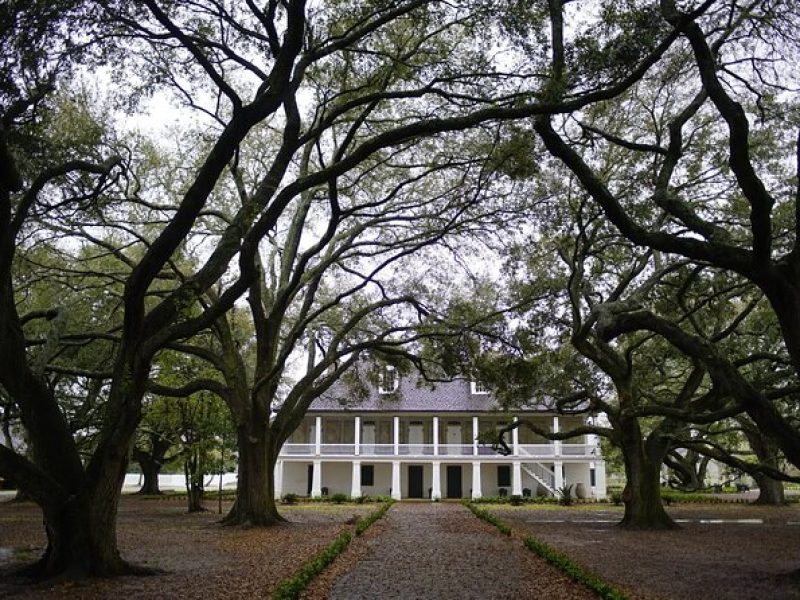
177	481
489	485
295	478
383	480
337	477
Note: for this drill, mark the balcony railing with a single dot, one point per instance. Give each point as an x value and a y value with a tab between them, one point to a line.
368	449
456	449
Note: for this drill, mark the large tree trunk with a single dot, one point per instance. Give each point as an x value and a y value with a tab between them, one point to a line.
82	535
151	462
79	541
194	483
150	472
642	493
255	490
766	450
79	503
689	470
770	491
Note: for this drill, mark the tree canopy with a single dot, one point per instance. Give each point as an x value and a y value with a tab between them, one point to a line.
161	162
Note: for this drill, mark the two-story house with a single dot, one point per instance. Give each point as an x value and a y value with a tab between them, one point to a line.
412	440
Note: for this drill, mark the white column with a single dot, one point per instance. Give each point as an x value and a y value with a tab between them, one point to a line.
277	486
558	471
557	443
436	491
435	436
475	431
476	480
516	479
318	436
316	479
600	478
396	479
396	436
515	438
357	436
355	490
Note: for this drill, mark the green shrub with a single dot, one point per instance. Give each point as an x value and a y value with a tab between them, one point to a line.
516	500
616	498
565	495
340	498
290	498
675	497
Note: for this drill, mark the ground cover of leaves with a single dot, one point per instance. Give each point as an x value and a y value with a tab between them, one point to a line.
719	560
199	557
440	551
710	557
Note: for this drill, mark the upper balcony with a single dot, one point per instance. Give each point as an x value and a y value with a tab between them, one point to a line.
427	437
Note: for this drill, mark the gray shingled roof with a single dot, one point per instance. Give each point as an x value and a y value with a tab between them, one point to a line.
412	395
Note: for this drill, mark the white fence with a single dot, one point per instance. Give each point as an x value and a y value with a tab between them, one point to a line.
176	481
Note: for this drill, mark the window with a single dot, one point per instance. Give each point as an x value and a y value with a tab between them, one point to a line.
503	476
592	477
367	474
478	387
388	380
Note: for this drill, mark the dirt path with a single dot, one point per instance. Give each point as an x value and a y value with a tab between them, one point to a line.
440	550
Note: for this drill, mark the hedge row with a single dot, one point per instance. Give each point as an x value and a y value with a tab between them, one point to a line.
485	515
575	572
364	523
292	587
555	558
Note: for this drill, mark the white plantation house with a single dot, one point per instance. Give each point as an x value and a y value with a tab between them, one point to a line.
412	440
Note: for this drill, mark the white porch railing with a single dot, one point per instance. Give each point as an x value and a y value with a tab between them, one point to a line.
456	449
580	450
297	449
537	451
415	449
376	449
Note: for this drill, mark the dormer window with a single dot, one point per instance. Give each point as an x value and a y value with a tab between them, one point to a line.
478	387
389	380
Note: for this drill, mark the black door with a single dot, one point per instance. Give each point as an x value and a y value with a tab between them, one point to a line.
310	479
415	481
454	481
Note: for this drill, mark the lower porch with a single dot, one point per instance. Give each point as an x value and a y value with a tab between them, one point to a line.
435	479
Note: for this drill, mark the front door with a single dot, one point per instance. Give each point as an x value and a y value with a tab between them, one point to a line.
454	481
310	479
415	481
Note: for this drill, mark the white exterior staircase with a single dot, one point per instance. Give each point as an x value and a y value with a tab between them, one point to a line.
540	473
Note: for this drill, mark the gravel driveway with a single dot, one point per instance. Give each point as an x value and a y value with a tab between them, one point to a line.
441	550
